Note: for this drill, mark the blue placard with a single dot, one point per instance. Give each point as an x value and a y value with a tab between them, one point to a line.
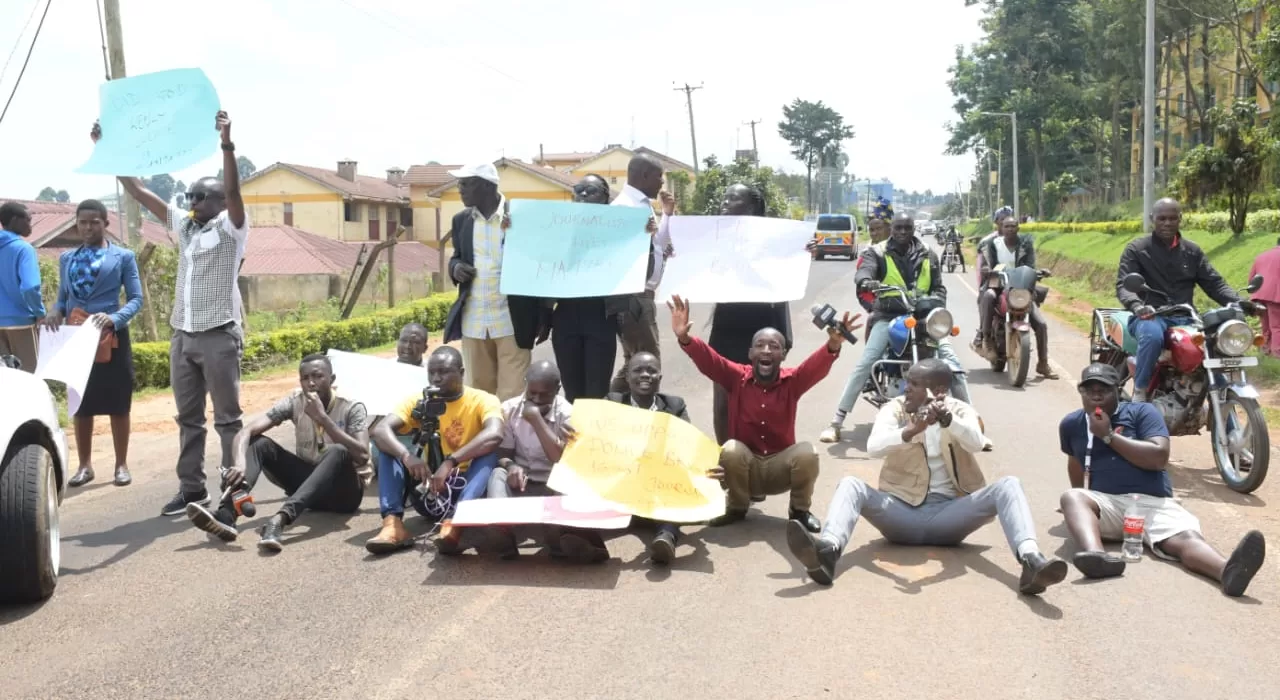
155	123
564	249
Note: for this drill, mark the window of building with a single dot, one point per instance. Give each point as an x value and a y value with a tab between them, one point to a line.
373	212
406	216
288	213
350	211
1177	140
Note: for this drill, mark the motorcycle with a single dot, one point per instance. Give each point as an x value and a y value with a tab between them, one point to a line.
913	336
1202	362
1017	293
950	254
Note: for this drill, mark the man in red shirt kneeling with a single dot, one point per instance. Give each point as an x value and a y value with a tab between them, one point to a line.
762	457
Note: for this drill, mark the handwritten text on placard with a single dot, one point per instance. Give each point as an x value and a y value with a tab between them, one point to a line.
564	249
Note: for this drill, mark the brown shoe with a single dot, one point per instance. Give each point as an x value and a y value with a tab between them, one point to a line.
392	538
1044	370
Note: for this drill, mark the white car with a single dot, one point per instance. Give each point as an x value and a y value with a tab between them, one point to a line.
33	478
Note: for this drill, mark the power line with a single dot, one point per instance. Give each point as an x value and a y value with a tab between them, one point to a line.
18	42
102	34
25	61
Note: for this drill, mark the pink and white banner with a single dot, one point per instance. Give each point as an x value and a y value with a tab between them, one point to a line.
539	510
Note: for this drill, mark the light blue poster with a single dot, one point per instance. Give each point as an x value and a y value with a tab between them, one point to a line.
155	123
564	249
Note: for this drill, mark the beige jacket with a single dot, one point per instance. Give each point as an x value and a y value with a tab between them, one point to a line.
905	472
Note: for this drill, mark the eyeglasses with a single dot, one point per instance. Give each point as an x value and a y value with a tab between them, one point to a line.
196	197
583	190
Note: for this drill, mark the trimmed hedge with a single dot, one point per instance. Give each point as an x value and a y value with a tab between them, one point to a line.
261	350
1262	221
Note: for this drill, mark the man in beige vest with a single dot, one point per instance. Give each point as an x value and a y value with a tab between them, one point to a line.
932	491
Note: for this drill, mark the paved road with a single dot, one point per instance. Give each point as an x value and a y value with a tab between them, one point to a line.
149	608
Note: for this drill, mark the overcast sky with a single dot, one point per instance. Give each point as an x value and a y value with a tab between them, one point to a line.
399	82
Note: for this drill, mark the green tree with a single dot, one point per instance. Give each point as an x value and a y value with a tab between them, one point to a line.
49	194
162	185
815	132
680	189
245	167
708	192
1233	165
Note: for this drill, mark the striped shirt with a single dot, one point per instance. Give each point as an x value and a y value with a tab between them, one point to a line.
486	314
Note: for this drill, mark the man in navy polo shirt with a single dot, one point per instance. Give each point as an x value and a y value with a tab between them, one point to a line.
1115	451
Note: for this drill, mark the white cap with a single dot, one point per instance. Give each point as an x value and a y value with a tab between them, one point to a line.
484	171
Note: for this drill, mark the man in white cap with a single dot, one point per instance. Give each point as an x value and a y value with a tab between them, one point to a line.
497	332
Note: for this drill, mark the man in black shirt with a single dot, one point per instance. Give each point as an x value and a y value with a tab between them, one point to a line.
1173	266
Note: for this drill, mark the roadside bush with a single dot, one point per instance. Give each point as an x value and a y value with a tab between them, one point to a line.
1264	221
261	350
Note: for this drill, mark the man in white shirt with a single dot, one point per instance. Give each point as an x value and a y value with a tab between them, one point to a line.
208	338
932	490
636	314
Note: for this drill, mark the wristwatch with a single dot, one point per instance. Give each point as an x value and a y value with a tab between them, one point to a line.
1106	439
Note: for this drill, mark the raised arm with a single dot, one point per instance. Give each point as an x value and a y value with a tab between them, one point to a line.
230	172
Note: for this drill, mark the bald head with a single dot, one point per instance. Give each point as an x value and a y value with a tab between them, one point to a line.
544	371
1166	219
933	373
644	173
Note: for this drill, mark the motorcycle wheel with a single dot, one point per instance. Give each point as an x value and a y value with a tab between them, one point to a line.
1254	437
1019	357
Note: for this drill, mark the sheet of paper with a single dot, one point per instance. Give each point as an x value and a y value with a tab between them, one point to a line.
155	123
66	355
737	258
565	249
539	510
380	383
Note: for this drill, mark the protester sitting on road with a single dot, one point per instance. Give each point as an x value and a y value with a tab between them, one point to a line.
470	433
908	263
644	378
1013	251
21	304
1118	453
1173	266
734	324
935	496
536	430
90	279
410	347
327	471
762	456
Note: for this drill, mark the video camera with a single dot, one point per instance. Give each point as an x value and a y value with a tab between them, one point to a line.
428	411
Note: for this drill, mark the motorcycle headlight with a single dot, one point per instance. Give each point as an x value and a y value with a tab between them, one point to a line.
1019	298
1234	338
938	324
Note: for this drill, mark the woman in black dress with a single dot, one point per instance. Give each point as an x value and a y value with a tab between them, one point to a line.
90	280
734	325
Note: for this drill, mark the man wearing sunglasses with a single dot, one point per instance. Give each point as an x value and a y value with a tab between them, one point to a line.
207	341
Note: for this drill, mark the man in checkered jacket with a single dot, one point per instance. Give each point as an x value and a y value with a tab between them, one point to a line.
207	342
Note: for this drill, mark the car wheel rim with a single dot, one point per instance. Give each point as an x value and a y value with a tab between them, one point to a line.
52	519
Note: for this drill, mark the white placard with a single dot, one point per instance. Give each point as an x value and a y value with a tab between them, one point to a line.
737	258
380	383
66	355
546	510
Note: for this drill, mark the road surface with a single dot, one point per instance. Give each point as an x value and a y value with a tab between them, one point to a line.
150	608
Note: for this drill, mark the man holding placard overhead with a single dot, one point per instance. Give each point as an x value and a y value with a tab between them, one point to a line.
208	340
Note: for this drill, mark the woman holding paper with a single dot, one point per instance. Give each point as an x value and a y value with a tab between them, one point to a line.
90	280
733	325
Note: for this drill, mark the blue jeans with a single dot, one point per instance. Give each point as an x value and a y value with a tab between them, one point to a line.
1150	335
395	484
874	350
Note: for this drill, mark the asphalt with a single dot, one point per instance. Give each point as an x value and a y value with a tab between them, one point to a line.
147	607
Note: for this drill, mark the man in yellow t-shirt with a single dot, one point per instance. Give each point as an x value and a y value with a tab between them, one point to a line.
470	432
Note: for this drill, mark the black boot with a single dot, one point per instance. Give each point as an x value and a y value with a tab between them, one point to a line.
1039	572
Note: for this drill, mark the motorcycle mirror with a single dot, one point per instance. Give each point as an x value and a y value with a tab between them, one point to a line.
1134	282
1254	284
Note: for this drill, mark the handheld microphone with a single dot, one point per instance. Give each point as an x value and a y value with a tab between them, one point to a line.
824	317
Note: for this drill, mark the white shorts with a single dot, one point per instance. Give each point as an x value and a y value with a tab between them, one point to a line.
1165	518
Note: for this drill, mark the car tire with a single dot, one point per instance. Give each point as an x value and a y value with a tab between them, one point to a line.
29	529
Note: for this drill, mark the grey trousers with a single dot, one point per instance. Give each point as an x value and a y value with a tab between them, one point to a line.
200	363
939	521
637	334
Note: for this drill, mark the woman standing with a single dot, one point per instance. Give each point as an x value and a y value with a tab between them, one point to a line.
90	280
734	325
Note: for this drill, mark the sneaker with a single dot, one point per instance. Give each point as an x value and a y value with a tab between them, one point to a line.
219	523
663	548
1039	572
816	554
178	505
271	532
1243	564
831	433
1045	370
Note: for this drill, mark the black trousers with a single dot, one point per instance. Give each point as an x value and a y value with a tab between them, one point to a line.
330	485
585	345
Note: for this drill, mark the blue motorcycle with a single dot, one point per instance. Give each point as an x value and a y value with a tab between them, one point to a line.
913	336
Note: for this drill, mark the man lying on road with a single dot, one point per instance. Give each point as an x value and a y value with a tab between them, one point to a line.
762	456
327	471
931	496
1128	457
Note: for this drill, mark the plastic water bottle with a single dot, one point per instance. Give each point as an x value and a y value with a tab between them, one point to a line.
1135	523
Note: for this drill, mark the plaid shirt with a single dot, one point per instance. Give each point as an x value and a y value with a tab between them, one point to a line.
486	314
207	294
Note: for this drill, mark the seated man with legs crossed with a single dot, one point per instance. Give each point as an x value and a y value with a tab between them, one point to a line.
470	432
932	491
762	456
327	471
1127	459
535	434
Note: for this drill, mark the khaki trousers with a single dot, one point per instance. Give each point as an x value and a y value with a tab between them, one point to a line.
495	365
23	343
793	470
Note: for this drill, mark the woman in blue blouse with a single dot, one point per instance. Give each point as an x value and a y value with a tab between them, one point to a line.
91	279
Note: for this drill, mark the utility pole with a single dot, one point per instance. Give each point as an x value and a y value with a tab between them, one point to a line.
115	57
1149	119
754	150
693	136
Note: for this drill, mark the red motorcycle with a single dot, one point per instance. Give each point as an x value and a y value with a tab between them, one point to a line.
1010	330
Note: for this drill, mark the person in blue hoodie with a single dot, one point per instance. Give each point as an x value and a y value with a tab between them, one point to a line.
20	304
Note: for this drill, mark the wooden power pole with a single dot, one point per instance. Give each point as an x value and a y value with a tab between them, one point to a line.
755	151
693	136
115	57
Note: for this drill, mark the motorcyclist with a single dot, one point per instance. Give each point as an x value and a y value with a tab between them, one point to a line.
1011	250
1173	266
905	261
878	227
953	237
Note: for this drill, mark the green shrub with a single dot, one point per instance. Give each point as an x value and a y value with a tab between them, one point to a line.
1263	221
261	350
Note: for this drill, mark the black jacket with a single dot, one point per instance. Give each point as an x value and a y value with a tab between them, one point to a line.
528	314
1025	254
666	403
871	266
1174	270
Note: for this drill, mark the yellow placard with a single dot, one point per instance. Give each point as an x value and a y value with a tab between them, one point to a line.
646	463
